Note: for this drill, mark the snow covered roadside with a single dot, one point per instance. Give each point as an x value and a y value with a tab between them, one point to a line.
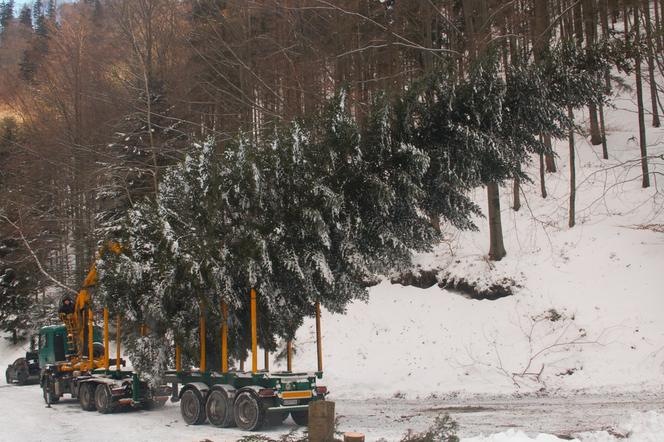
640	427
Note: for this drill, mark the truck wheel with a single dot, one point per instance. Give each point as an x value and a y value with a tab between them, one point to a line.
249	412
219	409
301	417
192	407
103	399
7	377
86	396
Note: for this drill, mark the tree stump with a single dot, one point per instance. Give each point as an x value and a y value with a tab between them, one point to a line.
321	421
353	437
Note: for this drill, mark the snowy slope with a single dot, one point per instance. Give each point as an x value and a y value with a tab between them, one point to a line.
585	317
604	278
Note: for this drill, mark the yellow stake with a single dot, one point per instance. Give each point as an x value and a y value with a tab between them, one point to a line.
224	337
106	349
254	343
289	355
178	359
202	333
90	340
118	339
319	344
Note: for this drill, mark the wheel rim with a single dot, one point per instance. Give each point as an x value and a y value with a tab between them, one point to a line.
190	407
101	398
85	395
217	408
247	411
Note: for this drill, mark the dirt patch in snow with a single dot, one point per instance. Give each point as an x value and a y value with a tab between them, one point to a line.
472	289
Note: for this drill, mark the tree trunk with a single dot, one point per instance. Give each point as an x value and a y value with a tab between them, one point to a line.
496	245
658	34
542	176
604	20
590	27
572	173
605	148
517	195
654	99
550	159
639	100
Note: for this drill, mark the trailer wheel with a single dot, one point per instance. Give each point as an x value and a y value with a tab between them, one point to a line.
249	412
219	409
86	396
301	417
103	399
192	407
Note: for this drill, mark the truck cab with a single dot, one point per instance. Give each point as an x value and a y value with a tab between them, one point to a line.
53	344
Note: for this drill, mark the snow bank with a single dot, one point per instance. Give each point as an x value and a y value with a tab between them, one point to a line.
640	427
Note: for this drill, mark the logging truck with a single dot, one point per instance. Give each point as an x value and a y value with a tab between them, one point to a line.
75	360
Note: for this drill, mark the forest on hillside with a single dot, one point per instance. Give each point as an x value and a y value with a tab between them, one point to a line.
301	147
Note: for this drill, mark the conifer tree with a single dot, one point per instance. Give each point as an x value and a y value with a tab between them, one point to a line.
25	16
6	14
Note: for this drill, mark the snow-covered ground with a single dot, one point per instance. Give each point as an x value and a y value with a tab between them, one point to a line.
585	320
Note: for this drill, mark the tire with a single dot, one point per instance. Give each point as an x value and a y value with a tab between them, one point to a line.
192	407
219	409
86	396
301	417
22	376
104	399
249	412
275	419
7	377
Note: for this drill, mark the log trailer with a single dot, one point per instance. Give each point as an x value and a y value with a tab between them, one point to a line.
74	361
250	400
